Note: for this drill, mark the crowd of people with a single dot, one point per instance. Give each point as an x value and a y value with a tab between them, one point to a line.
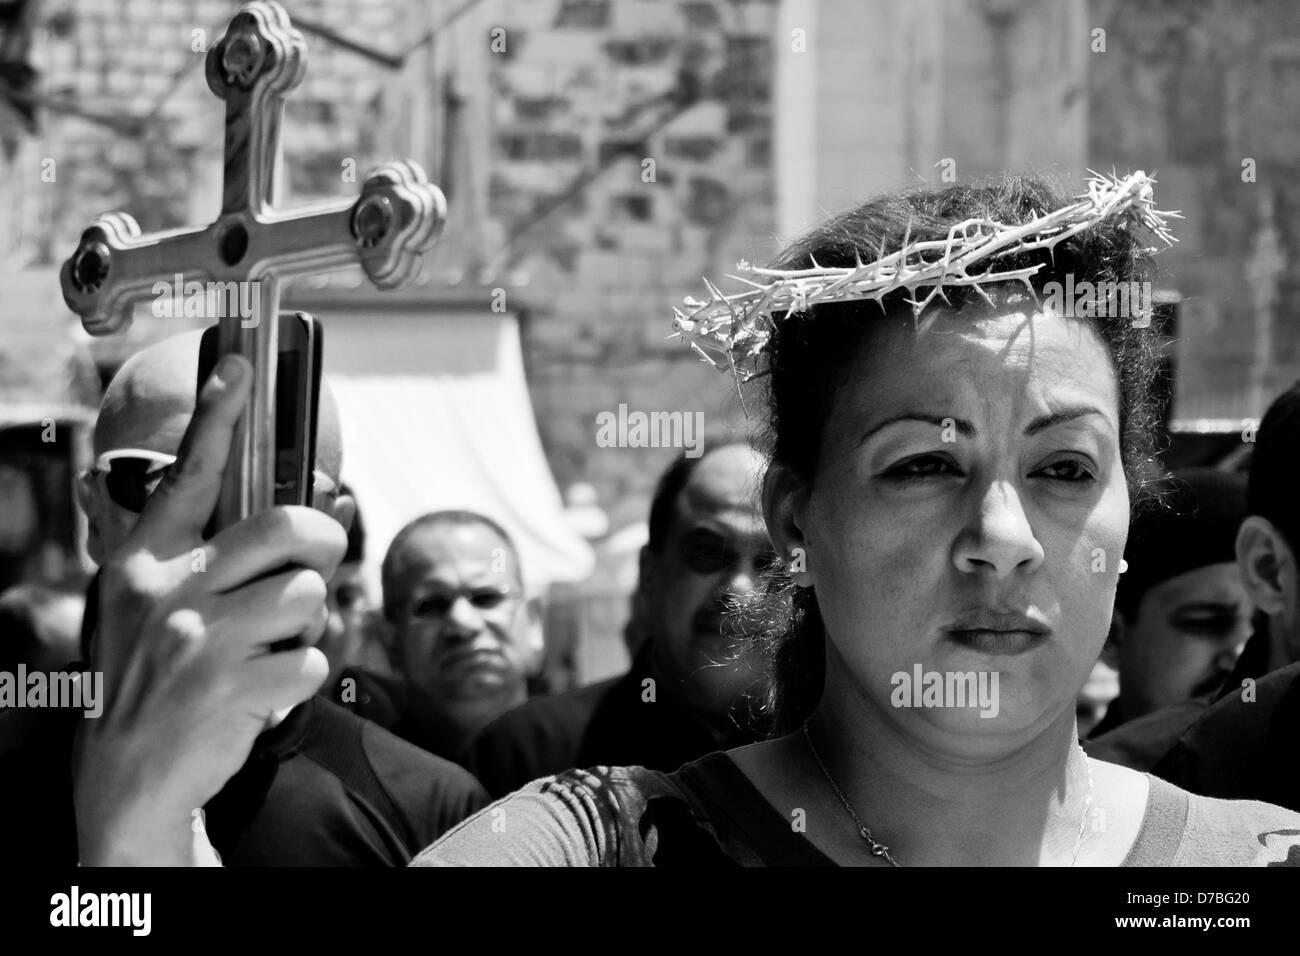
929	493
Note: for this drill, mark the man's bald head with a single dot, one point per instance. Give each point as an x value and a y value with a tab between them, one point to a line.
150	401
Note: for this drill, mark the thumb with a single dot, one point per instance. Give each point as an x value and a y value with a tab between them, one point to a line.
177	512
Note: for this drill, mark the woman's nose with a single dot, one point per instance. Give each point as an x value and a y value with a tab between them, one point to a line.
998	536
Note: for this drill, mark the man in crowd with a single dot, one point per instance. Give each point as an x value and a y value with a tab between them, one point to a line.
320	786
684	695
464	637
1266	560
1181	609
1244	745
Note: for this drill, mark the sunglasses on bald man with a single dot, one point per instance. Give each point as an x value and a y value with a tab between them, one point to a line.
131	475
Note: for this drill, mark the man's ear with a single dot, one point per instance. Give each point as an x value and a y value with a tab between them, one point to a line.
1267	565
534	637
784	500
85	488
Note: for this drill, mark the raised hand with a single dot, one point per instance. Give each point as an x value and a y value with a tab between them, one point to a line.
184	642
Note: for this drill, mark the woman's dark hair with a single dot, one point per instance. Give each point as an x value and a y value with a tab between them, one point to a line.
808	355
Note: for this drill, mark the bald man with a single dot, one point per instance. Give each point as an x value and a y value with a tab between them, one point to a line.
685	694
322	786
465	638
142	418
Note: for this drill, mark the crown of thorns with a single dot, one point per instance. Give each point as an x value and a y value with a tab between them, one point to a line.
730	332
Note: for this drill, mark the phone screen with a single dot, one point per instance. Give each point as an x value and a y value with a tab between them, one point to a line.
297	402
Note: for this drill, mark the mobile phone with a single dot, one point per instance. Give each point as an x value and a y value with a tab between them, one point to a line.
297	401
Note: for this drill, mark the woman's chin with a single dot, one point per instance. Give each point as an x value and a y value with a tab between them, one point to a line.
1010	714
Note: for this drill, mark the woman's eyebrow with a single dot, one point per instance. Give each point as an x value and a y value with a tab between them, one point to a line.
966	429
963	427
1059	418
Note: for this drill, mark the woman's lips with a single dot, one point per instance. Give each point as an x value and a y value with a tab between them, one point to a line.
998	642
998	632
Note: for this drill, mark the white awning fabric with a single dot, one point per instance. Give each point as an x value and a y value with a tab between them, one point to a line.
436	415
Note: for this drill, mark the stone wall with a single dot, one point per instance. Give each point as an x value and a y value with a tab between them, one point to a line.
631	157
142	132
1207	95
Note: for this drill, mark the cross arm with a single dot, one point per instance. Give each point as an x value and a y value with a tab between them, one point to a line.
396	220
387	230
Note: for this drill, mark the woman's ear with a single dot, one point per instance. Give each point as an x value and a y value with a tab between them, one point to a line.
785	500
1267	565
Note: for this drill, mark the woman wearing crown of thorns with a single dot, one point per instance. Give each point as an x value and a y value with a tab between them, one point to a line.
953	462
953	465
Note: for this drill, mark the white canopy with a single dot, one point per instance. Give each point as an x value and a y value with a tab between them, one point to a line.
436	415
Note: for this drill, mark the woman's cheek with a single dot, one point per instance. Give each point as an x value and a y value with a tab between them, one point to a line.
1086	583
875	581
859	544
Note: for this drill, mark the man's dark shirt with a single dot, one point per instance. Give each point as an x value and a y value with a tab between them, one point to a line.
36	812
1245	746
382	699
1115	717
326	788
605	724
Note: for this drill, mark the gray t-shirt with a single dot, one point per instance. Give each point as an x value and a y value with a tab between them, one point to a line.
708	813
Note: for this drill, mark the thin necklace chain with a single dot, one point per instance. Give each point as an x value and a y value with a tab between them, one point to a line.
881	850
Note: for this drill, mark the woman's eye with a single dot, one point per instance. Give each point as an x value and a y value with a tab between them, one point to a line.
923	466
1068	469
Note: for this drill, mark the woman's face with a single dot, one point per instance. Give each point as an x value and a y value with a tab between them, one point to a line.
967	516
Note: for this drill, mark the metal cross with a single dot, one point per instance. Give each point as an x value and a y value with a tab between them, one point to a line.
252	246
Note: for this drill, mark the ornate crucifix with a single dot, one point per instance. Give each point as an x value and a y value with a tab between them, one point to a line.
252	246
